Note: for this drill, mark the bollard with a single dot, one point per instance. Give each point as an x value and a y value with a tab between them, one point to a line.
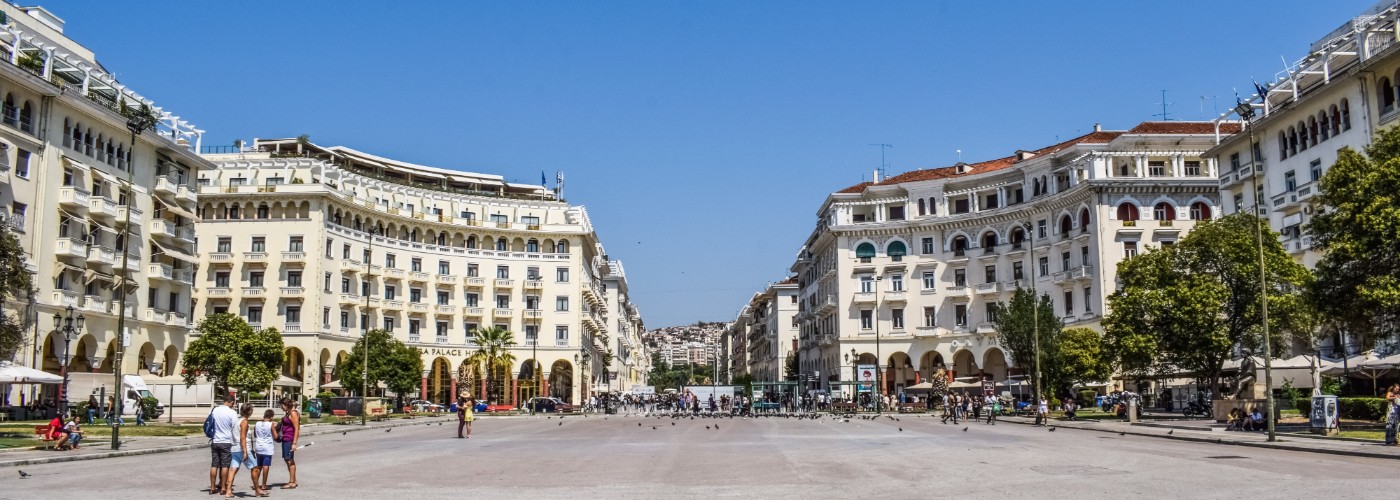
1132	410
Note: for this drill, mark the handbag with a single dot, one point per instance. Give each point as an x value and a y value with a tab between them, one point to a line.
277	432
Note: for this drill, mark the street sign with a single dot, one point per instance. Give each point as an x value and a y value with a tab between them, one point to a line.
989	387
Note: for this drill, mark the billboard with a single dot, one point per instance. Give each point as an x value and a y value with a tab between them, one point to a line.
865	375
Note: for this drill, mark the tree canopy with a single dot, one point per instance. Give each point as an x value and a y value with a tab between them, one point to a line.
1356	223
1018	324
392	362
493	359
229	353
16	285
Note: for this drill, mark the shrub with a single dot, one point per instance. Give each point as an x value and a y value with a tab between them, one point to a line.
1372	409
1303	405
1087	397
148	406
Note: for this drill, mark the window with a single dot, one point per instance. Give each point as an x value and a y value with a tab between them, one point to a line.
327	284
501	245
865	251
960	315
67	177
501	218
923	209
959	246
532	302
1315	169
1290	181
1069	303
391	292
415	295
293	315
930	280
255	279
561	335
561	303
1127	212
468	215
897	319
959	277
930	317
867	319
413	327
532	273
1164	211
330	243
443	298
867	284
1083	256
1064	261
532	334
532	246
989	273
1044	266
364	288
294	279
896	213
1088	294
896	282
991	310
1193	168
502	302
1041	227
960	206
502	272
473	300
255	315
391	261
22	163
259	244
345	285
344	319
1156	168
1234	161
927	245
221	279
473	271
262	211
225	245
389	325
561	275
444	267
1130	249
1201	211
1017	271
1239	202
896	250
415	264
442	330
294	244
345	252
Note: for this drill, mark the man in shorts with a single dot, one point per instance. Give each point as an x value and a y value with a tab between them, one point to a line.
225	429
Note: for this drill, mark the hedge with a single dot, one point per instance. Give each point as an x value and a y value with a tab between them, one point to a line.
1372	409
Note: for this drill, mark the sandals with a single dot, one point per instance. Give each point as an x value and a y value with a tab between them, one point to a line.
289	486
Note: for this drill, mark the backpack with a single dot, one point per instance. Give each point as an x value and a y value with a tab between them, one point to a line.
209	425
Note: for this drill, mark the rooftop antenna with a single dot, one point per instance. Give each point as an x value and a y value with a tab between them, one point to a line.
1164	103
959	156
883	165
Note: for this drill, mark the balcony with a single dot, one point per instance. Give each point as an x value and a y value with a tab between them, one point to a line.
164	186
447	279
293	291
1082	273
959	292
989	253
96	303
71	247
1016	250
475	282
1060	277
102	207
1070	318
534	284
153	314
293	257
100	255
1166	222
393	273
163	228
291	327
177	318
136	216
372	300
473	312
254	292
418	307
65	297
218	292
534	314
501	313
73	198
393	305
185	194
864	298
418	277
413	338
504	283
160	272
988	289
895	296
349	298
828	303
446	309
1306	191
442	340
255	257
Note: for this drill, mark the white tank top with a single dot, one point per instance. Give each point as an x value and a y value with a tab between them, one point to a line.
237	442
262	436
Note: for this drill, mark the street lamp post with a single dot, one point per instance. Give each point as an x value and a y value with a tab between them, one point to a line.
851	359
878	394
1035	309
139	121
1246	112
69	328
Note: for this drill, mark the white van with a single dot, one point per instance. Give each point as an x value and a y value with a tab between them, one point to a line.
81	385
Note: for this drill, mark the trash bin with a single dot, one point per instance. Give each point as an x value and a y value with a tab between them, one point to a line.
313	408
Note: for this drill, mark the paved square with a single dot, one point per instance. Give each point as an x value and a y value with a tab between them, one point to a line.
587	457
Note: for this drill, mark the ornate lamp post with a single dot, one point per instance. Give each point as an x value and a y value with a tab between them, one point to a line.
1246	112
1035	309
70	327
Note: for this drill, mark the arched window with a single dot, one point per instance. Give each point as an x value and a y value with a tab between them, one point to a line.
77	133
922	208
1127	212
413	235
101	147
1312	131
262	211
1385	94
471	241
932	206
1018	235
1035	187
896	250
989	240
562	247
959	246
442	240
1200	211
500	244
87	142
26	118
1282	144
1084	219
1324	127
11	112
1302	135
1292	141
1066	224
1336	117
865	251
1346	115
1164	211
532	246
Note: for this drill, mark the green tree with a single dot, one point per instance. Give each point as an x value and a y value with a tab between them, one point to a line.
493	359
229	353
1021	325
16	285
1080	358
790	367
1356	223
1187	307
392	362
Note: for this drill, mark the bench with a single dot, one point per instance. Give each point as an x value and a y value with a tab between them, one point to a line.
844	407
910	408
339	413
43	432
378	414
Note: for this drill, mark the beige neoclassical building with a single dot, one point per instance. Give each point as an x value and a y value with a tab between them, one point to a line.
71	183
902	272
323	243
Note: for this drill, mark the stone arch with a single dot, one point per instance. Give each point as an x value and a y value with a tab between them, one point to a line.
439	382
964	363
899	372
930	362
561	380
948	243
145	357
517	244
994	363
293	363
172	361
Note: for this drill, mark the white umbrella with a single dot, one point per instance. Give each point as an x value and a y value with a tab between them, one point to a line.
11	373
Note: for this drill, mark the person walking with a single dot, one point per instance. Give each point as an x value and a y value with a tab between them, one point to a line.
466	412
1392	417
264	445
93	407
290	429
221	448
140	415
993	409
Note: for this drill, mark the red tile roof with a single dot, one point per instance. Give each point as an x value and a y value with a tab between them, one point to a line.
1096	137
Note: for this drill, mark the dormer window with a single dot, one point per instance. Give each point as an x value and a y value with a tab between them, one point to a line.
962	168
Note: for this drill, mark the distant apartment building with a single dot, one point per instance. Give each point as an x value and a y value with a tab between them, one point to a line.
768	325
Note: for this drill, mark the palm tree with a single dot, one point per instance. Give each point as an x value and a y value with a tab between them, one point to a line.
493	356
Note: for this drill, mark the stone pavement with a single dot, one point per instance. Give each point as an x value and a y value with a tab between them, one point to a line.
1199	431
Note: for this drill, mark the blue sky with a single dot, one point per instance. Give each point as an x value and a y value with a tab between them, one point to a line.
702	136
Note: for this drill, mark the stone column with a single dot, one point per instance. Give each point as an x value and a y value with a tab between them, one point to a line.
453	396
423	392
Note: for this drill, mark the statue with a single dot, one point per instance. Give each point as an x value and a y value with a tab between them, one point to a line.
1244	380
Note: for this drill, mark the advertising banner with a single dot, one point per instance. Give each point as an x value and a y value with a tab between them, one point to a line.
865	375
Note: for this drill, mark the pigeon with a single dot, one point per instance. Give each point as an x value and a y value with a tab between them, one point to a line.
1121	433
901	429
673	423
716	426
707	427
1170	432
389	430
639	424
342	433
561	423
653	427
1052	429
24	475
964	429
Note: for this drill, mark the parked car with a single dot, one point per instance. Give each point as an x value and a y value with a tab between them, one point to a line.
549	405
423	405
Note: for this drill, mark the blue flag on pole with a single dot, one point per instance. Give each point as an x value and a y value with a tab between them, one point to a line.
544	181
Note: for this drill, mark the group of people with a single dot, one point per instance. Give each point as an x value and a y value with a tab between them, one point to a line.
108	411
240	441
963	406
65	435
